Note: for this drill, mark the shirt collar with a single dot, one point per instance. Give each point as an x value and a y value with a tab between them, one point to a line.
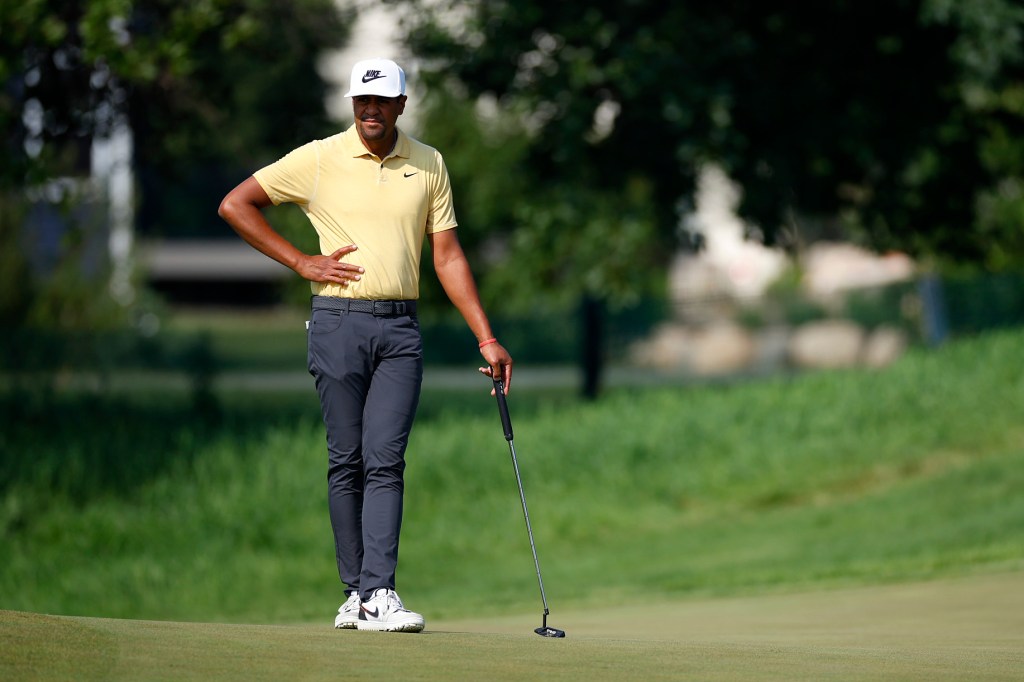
354	146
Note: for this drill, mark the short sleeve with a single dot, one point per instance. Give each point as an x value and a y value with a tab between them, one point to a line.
441	216
293	178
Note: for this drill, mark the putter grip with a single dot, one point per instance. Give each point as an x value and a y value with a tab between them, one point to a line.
506	421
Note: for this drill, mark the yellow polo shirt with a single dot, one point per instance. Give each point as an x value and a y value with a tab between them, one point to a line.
383	207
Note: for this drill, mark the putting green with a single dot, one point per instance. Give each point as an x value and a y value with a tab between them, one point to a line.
953	629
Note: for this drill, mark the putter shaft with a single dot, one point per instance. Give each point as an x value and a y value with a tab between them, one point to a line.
506	423
529	529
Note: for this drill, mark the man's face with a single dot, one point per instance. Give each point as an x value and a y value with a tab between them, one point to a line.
376	116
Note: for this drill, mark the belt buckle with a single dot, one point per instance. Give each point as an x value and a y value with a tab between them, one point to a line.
381	308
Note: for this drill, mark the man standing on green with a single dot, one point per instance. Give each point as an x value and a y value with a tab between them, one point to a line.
373	194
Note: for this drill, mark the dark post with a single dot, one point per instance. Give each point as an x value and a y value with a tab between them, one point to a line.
933	304
592	345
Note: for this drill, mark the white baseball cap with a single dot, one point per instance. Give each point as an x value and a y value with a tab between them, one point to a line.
381	77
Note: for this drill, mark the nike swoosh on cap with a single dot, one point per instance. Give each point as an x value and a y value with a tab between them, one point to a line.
367	79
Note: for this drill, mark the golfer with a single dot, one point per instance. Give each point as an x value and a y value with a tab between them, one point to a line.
372	193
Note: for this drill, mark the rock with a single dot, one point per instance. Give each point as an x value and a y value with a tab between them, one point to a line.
721	348
826	344
884	346
667	348
830	268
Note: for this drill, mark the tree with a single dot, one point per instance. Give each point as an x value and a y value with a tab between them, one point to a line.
898	126
210	91
903	123
201	84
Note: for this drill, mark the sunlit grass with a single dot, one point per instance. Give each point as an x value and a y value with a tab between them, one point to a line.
851	477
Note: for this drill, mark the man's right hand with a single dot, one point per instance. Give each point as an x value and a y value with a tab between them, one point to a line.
330	268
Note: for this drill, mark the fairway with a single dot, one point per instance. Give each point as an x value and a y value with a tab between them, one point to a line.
967	628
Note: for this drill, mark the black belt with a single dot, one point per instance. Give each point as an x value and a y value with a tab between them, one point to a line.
356	305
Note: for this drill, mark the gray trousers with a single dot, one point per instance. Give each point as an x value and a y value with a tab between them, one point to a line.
368	370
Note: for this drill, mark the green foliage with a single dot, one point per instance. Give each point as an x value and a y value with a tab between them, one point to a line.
199	66
824	479
533	230
906	122
52	290
798	309
569	243
14	268
211	91
979	304
879	306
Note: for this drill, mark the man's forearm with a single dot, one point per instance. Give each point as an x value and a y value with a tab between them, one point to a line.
458	283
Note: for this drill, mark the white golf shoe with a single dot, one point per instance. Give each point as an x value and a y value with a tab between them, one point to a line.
348	614
384	612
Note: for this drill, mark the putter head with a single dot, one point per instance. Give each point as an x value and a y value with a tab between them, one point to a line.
545	631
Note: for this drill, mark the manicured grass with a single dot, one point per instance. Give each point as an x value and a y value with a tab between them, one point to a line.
959	629
152	510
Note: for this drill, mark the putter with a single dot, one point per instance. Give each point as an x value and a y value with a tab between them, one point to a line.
506	422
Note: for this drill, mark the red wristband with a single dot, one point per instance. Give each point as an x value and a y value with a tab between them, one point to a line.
488	342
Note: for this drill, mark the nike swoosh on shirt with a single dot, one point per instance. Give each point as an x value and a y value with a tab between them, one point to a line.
409	175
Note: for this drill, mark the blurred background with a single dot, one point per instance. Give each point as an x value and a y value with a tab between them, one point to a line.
646	191
671	194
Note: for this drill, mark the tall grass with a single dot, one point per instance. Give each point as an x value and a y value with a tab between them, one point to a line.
836	477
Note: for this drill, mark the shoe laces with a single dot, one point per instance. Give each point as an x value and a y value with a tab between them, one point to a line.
392	602
351	604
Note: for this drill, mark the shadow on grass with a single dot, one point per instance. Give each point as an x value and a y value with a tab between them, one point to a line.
83	445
